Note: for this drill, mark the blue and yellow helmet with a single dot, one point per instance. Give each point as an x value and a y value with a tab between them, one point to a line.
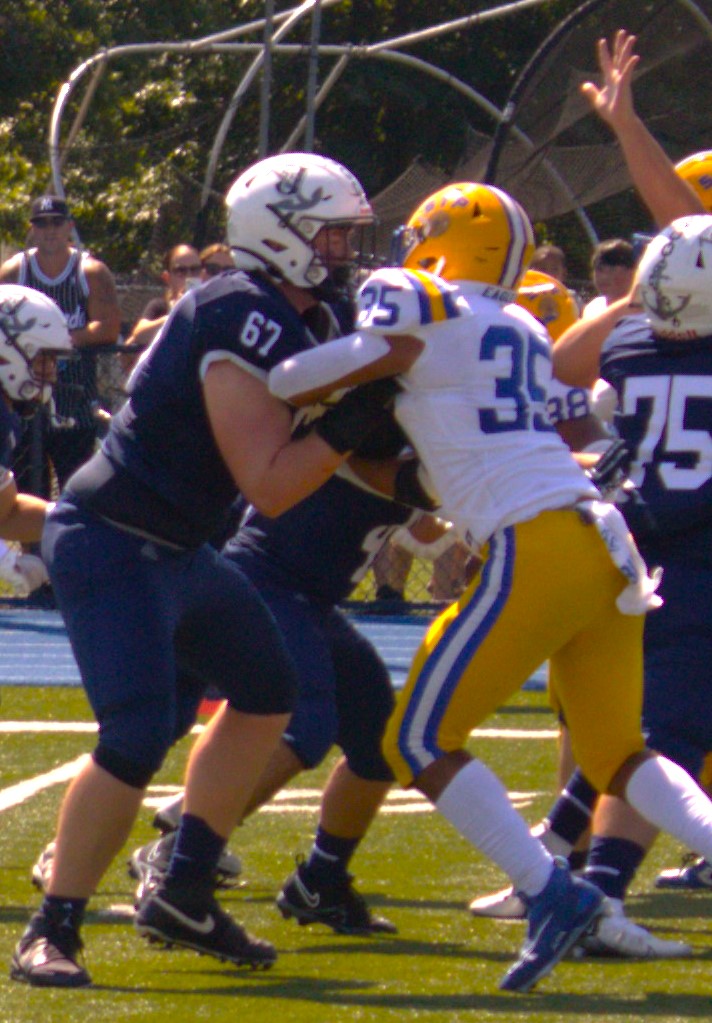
468	231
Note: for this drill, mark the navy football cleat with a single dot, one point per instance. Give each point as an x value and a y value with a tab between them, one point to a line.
558	916
338	905
695	875
200	924
48	957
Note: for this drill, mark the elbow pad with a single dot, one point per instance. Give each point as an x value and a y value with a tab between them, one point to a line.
325	365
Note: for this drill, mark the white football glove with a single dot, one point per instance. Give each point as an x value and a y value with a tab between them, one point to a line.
21	574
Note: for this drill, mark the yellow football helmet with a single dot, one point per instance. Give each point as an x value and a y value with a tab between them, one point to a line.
696	170
549	300
472	232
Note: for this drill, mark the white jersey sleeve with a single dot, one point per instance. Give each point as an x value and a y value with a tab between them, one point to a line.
397	301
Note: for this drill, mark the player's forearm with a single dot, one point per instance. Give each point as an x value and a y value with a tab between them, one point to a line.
653	174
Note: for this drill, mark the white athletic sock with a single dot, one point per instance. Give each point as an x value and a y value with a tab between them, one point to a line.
667	796
476	803
556	845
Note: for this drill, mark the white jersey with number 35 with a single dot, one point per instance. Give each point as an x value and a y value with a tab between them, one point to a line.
474	401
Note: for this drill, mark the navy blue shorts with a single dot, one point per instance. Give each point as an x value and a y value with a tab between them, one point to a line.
344	694
151	628
677	706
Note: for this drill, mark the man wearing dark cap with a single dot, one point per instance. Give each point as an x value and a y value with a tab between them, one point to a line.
83	288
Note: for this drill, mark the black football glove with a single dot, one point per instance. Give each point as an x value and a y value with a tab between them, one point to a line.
611	469
359	413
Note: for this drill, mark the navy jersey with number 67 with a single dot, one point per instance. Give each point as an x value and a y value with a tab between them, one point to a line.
174	484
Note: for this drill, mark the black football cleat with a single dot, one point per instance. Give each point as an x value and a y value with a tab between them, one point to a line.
338	905
46	957
201	925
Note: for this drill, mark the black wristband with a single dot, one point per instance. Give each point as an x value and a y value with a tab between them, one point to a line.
359	412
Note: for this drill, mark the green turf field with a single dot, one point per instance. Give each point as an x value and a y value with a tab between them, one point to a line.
443	965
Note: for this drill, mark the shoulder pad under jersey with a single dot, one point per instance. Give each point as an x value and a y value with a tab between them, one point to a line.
630	330
398	301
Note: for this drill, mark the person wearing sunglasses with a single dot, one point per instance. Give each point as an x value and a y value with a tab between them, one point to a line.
181	272
214	259
83	288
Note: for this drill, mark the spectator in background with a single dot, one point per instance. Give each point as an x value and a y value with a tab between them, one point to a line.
550	259
181	272
613	268
214	259
83	288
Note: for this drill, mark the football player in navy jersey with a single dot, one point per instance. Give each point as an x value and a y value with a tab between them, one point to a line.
660	365
304	563
33	334
153	612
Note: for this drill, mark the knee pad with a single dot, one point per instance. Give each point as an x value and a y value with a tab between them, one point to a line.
369	764
130	772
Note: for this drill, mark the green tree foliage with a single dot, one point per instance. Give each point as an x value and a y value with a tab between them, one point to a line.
135	169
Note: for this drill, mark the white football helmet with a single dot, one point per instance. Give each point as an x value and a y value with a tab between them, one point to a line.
675	279
30	324
277	207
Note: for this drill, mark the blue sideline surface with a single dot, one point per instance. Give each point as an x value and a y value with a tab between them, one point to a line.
34	649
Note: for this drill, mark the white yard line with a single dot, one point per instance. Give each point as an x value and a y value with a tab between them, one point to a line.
24	790
33	727
288	801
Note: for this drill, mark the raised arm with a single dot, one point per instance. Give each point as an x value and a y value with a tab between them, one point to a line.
659	186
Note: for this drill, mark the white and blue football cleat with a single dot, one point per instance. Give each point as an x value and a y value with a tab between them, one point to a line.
694	875
557	917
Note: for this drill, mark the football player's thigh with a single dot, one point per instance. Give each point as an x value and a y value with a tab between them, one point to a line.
118	618
597	680
230	638
482	649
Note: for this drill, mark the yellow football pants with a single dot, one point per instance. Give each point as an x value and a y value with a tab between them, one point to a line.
546	590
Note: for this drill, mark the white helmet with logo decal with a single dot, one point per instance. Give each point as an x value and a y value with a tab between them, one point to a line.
675	279
31	324
278	206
